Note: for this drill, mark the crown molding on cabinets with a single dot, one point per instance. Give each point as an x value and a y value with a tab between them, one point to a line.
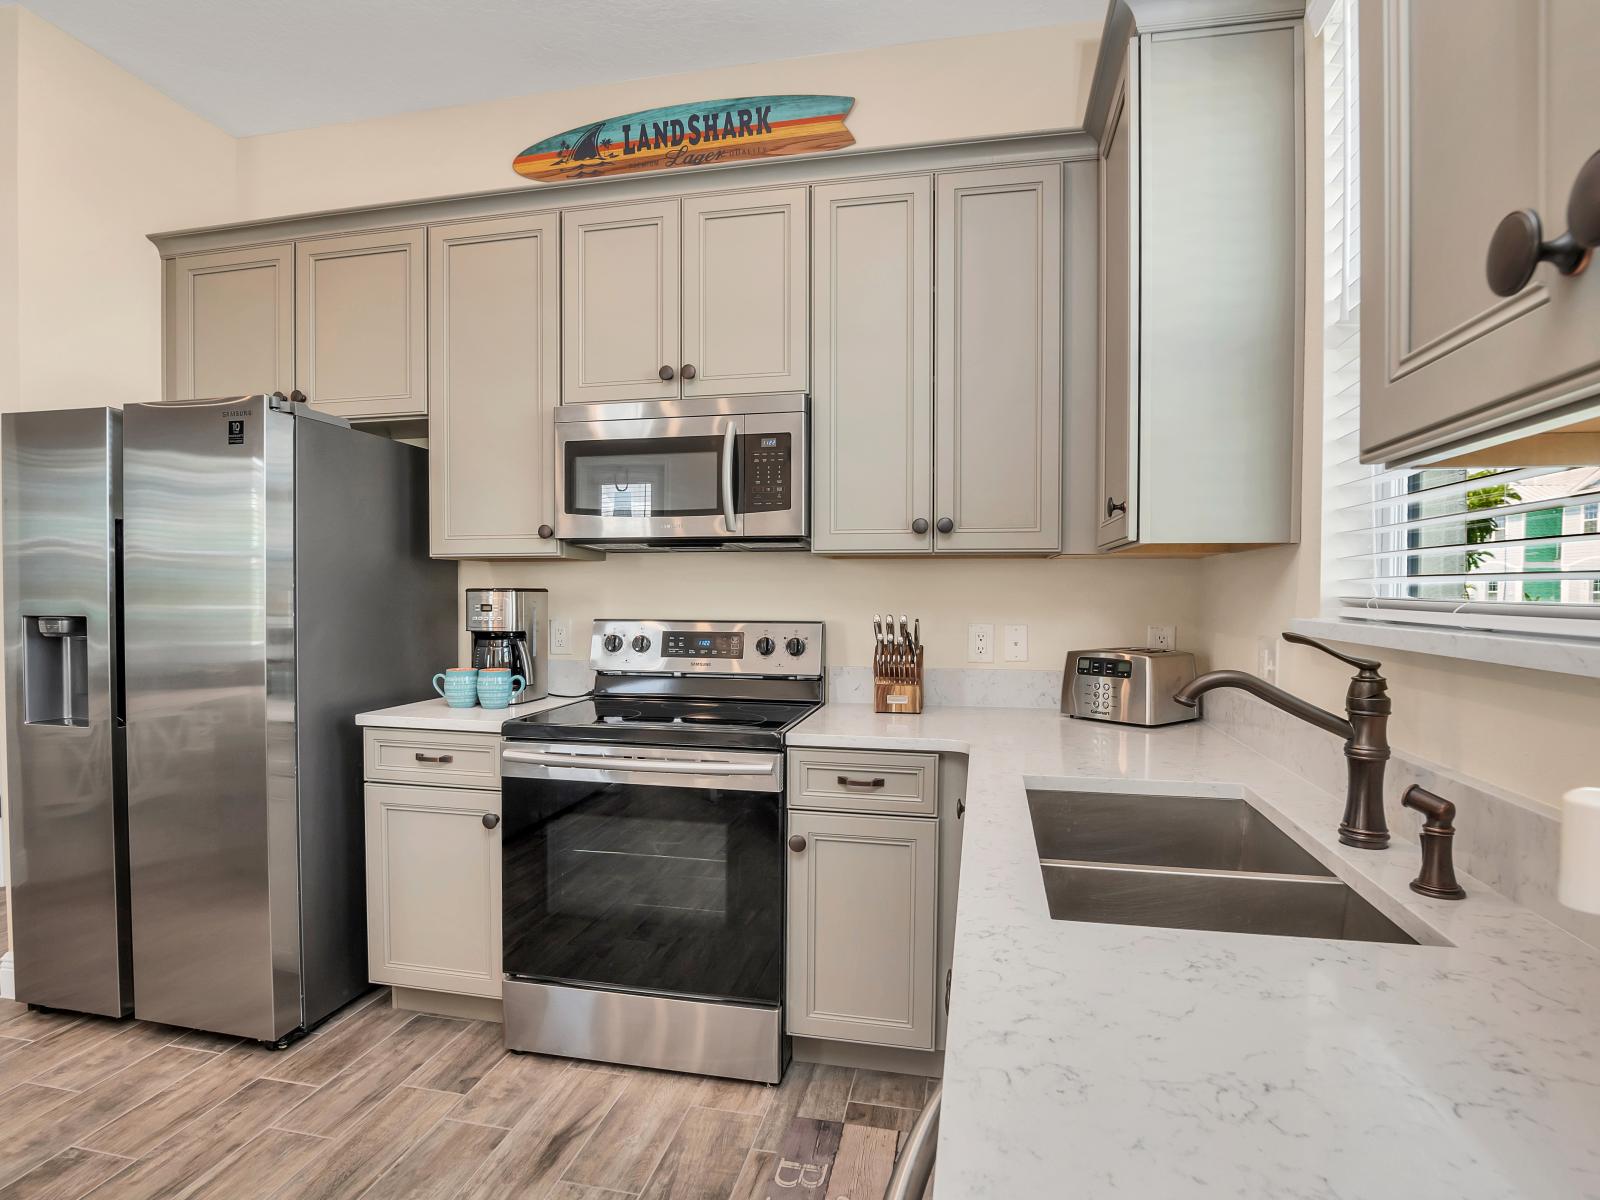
1127	19
1010	150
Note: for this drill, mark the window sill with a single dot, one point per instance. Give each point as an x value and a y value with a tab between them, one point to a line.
1562	656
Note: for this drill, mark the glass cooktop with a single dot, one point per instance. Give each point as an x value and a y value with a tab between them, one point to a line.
674	721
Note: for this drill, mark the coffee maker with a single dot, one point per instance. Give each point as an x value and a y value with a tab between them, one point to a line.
505	624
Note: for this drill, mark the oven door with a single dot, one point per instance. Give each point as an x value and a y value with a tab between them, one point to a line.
661	477
644	869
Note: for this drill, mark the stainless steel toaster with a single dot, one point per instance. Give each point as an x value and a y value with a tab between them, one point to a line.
1129	685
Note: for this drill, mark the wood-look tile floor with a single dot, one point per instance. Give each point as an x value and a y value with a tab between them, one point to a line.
381	1103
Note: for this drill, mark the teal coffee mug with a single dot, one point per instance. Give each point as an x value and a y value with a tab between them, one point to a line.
459	687
495	685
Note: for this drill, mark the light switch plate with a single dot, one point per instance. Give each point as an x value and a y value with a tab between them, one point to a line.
1015	642
980	643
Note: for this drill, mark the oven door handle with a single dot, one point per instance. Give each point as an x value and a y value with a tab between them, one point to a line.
670	766
729	446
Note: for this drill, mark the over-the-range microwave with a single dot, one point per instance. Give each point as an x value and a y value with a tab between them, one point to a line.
710	473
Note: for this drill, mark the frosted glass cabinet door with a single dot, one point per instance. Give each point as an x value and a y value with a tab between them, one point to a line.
621	293
1470	110
872	382
433	888
361	324
494	331
997	406
744	293
230	323
863	928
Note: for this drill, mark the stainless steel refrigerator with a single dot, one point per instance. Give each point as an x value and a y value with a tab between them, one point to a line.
199	596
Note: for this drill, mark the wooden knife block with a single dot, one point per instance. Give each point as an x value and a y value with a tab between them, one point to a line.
897	685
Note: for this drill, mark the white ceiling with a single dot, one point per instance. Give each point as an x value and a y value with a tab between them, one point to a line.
260	67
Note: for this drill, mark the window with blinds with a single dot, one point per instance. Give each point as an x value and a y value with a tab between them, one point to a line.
1474	547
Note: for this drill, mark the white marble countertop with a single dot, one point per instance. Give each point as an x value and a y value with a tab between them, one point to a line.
435	714
1089	1060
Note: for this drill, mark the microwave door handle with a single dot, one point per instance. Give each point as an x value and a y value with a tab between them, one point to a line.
729	442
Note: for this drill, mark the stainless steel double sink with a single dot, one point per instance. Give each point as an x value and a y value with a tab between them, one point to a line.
1190	862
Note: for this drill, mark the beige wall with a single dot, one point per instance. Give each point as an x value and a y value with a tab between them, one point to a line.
8	206
1529	732
930	91
101	160
1066	603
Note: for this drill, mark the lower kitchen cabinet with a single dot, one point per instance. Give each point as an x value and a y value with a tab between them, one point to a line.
433	888
863	928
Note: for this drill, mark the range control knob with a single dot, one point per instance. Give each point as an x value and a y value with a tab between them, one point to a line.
765	646
641	644
795	646
612	643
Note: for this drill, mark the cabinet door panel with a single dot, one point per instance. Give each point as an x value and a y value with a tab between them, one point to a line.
872	393
493	320
231	323
744	292
863	928
620	302
1117	514
433	889
1470	109
361	319
998	401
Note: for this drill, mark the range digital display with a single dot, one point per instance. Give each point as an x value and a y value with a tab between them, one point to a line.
677	643
1119	668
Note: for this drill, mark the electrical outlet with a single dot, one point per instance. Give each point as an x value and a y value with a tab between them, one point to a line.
1016	643
980	643
1161	637
560	635
1267	658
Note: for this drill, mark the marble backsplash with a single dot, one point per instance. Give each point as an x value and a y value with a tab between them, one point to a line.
1511	842
946	687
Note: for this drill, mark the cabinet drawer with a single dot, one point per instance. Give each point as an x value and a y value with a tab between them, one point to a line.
470	760
852	781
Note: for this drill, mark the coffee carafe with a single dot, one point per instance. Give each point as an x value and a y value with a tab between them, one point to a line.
505	625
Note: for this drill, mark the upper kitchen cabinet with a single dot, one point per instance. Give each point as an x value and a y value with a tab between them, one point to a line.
1478	324
230	322
361	324
494	319
974	463
700	297
997	403
872	385
1202	189
621	290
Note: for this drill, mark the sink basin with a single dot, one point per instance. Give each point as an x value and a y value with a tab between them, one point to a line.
1216	833
1190	862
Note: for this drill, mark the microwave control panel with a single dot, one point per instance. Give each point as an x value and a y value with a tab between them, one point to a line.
767	462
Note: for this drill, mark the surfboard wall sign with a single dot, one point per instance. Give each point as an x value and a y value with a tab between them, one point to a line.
691	135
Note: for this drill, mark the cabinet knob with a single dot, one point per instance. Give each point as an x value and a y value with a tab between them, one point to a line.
490	820
297	396
688	371
546	532
1518	247
1583	204
920	525
946	525
797	843
1113	507
665	373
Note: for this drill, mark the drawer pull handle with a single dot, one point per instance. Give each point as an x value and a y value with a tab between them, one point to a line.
846	781
435	758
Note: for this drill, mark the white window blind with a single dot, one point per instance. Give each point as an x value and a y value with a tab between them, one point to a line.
1478	547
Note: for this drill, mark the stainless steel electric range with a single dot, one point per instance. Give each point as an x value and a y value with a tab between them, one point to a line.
642	868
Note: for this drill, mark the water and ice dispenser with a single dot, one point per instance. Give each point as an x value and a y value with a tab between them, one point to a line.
56	670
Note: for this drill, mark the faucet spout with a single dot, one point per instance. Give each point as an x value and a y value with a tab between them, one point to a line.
1191	692
1364	728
